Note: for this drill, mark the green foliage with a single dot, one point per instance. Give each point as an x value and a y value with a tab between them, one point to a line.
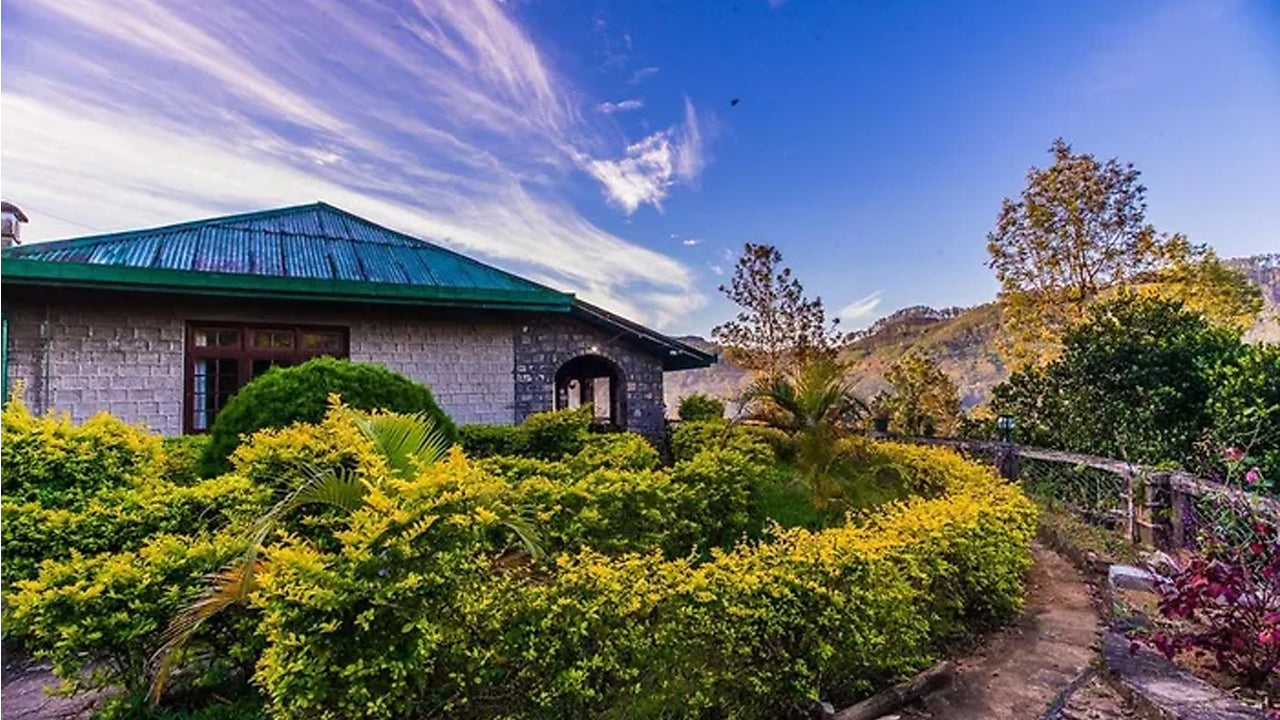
782	443
283	396
700	406
182	456
1244	409
555	434
924	400
482	441
97	618
1134	381
815	405
760	631
120	519
619	451
691	438
58	464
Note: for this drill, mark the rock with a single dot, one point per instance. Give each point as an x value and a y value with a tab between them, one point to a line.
1127	577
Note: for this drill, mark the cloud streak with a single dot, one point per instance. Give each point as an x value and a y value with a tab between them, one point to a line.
440	119
860	310
611	108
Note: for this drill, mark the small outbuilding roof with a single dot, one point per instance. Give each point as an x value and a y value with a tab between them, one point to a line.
305	252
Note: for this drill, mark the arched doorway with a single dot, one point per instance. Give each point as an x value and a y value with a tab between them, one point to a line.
595	380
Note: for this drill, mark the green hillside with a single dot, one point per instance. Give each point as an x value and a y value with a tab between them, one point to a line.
964	340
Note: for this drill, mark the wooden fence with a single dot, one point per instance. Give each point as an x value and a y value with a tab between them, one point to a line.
1159	508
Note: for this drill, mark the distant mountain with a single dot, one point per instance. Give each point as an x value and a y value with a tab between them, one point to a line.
964	341
1264	271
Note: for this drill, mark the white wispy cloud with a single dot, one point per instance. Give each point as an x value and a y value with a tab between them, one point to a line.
649	168
440	119
692	242
642	74
609	108
716	269
858	311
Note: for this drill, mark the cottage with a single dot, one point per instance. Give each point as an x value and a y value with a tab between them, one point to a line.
163	325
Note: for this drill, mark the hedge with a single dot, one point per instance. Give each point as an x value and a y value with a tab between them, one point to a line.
761	631
282	396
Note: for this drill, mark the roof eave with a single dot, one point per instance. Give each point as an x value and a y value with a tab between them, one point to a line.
27	271
675	355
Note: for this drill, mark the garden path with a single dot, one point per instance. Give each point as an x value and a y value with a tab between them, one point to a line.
1023	670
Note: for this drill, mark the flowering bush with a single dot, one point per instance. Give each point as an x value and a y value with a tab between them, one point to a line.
1227	601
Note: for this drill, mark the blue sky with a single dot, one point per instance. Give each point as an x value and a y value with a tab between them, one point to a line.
593	145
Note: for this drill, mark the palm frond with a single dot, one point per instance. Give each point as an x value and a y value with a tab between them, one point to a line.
406	441
228	587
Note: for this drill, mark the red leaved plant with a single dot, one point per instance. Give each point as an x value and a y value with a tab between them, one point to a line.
1225	601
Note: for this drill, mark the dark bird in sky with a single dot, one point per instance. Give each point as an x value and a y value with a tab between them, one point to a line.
733	102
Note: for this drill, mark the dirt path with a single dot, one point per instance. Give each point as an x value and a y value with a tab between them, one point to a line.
1025	668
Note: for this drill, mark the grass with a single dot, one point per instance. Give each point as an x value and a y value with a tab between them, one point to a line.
784	499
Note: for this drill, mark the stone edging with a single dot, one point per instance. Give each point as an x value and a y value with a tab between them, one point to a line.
1158	688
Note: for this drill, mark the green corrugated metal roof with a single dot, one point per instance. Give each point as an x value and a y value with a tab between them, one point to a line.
312	252
312	249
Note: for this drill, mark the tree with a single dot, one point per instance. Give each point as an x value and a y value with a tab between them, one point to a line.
1134	381
816	405
1079	231
924	399
777	329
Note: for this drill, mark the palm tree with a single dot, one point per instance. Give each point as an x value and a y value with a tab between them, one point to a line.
816	405
406	442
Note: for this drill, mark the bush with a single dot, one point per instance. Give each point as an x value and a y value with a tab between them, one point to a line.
97	619
58	464
553	435
761	631
182	458
619	451
283	396
783	444
689	439
700	406
482	441
122	519
1223	603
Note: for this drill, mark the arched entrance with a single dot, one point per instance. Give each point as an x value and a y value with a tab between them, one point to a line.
596	380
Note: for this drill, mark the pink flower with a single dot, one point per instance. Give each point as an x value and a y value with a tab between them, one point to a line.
1233	454
1253	476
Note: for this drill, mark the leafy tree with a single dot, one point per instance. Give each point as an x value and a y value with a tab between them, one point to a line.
1078	231
1134	381
777	328
924	399
701	406
816	405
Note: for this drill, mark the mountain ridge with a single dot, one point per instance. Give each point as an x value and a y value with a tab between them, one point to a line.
962	339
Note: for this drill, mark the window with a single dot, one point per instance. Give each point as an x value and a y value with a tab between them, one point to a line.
222	358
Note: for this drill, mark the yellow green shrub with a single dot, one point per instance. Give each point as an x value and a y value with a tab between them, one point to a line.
690	438
119	519
278	457
403	620
50	460
97	619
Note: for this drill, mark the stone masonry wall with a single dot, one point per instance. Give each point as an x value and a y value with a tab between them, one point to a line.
546	343
85	360
92	354
468	366
85	357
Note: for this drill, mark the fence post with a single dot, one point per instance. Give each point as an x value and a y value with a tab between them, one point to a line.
1131	510
1179	505
1153	512
1007	462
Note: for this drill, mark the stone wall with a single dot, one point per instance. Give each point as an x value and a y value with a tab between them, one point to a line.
85	357
90	353
546	343
86	360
